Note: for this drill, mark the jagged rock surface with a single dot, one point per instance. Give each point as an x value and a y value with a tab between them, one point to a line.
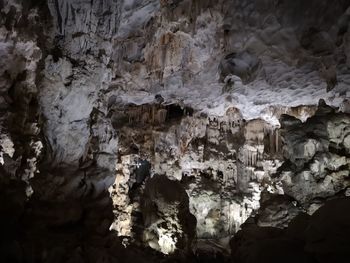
307	239
102	103
317	153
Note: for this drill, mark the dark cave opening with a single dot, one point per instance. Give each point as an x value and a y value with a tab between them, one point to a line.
176	112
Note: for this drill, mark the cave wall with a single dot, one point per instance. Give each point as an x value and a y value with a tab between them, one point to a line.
242	105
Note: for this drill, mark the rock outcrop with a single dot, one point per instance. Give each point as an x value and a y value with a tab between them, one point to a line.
318	238
169	225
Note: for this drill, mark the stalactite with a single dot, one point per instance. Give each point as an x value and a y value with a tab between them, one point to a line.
277	141
250	158
161	116
153	113
271	142
145	118
249	162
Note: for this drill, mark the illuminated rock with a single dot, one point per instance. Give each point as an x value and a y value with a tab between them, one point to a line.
169	225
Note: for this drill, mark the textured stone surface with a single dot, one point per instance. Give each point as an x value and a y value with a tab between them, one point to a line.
307	239
317	155
165	125
169	225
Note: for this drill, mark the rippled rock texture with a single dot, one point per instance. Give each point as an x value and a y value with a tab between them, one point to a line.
158	130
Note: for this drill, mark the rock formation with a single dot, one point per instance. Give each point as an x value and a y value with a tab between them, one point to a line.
160	130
